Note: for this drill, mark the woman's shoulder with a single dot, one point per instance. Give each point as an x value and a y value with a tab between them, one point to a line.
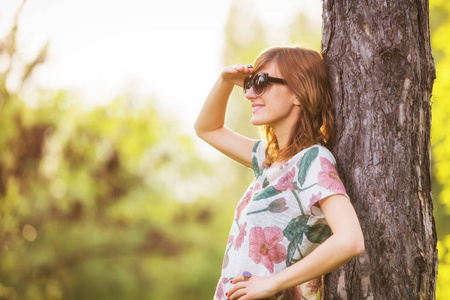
258	156
315	151
259	149
325	152
259	144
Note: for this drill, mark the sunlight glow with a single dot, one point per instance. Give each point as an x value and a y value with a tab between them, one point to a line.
170	50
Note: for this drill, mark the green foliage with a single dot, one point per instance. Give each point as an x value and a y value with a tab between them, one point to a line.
91	207
305	164
115	203
109	203
440	140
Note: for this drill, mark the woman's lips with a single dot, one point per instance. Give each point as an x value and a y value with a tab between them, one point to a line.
256	107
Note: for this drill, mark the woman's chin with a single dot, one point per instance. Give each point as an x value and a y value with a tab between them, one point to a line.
256	122
259	120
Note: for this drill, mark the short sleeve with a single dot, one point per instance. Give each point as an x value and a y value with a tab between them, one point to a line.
318	177
258	156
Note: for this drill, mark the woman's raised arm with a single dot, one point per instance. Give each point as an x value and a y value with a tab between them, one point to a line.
210	124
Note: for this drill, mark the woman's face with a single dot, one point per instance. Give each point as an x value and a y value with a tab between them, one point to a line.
277	107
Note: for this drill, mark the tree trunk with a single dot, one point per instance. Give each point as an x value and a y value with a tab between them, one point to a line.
382	73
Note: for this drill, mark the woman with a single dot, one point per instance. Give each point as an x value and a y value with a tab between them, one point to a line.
295	223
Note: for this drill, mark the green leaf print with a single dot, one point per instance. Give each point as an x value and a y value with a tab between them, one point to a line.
290	253
265	183
266	193
256	170
296	228
318	233
305	163
294	233
255	164
292	247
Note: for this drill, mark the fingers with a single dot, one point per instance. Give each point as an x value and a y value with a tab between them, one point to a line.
238	68
237	279
236	73
242	68
237	291
239	287
239	294
235	287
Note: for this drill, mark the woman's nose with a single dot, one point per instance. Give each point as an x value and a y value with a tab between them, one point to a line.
250	94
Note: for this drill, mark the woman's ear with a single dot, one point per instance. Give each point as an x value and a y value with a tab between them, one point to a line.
296	101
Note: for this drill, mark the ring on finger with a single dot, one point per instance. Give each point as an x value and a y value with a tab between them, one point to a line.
246	275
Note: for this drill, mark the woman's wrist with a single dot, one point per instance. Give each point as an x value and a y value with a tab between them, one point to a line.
225	82
276	283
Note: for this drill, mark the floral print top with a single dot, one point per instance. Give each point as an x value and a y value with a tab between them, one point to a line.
276	222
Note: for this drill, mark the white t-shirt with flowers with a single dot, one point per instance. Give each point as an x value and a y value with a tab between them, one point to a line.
276	222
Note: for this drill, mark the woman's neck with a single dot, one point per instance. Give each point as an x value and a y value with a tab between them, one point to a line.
282	137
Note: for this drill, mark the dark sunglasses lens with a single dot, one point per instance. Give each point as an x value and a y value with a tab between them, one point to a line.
259	84
246	85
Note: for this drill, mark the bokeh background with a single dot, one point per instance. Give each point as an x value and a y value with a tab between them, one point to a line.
105	192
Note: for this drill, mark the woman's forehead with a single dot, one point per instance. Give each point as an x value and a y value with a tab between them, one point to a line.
270	68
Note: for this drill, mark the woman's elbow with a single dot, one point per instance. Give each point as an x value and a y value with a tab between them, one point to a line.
198	130
357	246
197	126
353	245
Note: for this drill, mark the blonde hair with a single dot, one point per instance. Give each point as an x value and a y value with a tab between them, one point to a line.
306	75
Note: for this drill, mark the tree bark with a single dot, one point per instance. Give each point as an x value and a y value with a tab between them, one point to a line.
382	73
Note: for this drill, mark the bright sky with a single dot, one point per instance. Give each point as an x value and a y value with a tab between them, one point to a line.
167	48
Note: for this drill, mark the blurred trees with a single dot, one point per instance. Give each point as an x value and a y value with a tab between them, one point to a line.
109	203
115	203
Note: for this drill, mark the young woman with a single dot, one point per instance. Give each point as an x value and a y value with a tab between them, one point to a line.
295	223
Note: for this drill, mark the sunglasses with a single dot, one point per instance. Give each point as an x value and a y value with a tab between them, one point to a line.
259	83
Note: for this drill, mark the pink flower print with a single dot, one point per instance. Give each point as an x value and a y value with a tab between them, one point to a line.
314	199
240	237
293	293
265	246
285	182
226	259
283	165
314	285
257	187
329	178
219	291
243	204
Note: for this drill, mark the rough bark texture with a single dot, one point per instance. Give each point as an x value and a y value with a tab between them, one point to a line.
382	73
